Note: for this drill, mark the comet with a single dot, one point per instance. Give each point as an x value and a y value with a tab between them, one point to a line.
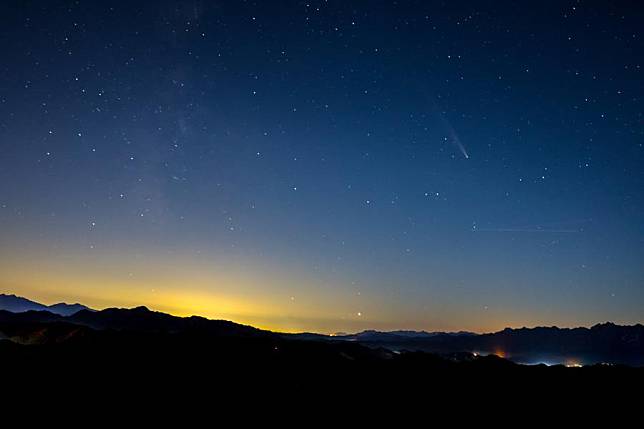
456	140
453	136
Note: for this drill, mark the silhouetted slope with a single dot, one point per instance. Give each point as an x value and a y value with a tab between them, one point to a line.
17	304
142	319
65	309
129	335
136	320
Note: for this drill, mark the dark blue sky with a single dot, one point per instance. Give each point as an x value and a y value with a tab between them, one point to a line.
327	165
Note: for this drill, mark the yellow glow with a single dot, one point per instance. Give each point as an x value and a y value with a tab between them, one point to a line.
247	291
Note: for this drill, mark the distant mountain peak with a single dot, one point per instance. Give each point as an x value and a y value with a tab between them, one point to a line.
604	325
374	335
18	304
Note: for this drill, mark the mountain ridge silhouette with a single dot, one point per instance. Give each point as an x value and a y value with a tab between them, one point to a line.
14	303
601	343
144	354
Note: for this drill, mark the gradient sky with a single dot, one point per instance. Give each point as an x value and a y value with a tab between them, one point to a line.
326	165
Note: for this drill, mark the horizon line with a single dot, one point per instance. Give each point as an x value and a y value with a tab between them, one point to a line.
330	334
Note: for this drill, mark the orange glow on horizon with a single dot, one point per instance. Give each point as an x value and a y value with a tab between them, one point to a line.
500	353
573	363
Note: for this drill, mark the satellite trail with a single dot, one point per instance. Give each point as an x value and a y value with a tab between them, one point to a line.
551	231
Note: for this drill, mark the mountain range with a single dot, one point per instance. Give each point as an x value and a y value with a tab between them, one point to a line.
601	343
26	322
17	304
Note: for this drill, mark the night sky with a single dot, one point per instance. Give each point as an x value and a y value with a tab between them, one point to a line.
327	165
